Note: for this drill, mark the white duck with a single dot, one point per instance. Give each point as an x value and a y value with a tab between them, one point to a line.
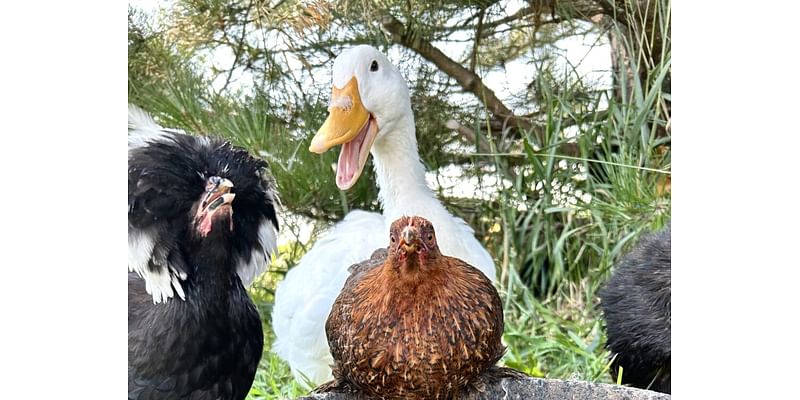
370	112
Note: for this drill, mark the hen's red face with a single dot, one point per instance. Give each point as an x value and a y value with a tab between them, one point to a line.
215	206
412	236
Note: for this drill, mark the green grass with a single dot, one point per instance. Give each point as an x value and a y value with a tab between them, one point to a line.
558	338
273	378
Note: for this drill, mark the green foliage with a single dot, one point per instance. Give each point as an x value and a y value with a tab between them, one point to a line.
273	378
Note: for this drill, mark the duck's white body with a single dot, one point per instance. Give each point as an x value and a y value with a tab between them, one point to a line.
304	299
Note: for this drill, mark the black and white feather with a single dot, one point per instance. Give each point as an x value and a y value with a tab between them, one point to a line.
166	170
202	225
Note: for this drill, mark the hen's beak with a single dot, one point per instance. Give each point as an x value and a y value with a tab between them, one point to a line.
408	239
350	124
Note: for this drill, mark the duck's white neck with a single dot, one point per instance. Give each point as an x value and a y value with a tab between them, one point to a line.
399	171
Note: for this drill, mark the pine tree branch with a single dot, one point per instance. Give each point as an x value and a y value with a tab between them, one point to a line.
478	31
503	117
468	80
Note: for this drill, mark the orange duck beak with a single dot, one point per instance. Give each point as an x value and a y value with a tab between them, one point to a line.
350	124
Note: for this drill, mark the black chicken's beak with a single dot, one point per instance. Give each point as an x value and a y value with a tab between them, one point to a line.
408	239
217	195
218	192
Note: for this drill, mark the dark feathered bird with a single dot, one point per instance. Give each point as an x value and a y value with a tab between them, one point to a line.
413	323
636	304
201	226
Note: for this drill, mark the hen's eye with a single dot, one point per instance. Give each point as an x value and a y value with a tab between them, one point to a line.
430	237
392	238
374	66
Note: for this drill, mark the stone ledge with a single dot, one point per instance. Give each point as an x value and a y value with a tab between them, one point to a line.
540	389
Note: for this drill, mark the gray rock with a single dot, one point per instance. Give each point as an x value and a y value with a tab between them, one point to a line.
540	389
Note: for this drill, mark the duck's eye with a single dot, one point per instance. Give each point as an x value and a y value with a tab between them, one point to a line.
374	66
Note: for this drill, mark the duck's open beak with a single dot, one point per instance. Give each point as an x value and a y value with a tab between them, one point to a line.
351	125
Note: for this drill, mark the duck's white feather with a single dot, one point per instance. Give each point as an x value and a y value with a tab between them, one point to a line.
304	298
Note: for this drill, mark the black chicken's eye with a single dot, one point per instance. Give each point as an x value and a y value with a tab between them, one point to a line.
374	66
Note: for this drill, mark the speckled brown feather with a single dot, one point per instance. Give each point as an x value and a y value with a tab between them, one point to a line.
423	327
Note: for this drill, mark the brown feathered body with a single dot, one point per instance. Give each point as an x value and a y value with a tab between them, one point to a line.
413	323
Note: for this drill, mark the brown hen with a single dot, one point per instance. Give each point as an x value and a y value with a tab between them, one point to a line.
412	323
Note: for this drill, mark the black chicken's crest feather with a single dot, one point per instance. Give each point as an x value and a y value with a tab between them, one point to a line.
166	177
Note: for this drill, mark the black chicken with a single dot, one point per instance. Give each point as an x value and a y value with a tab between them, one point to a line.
636	304
201	226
